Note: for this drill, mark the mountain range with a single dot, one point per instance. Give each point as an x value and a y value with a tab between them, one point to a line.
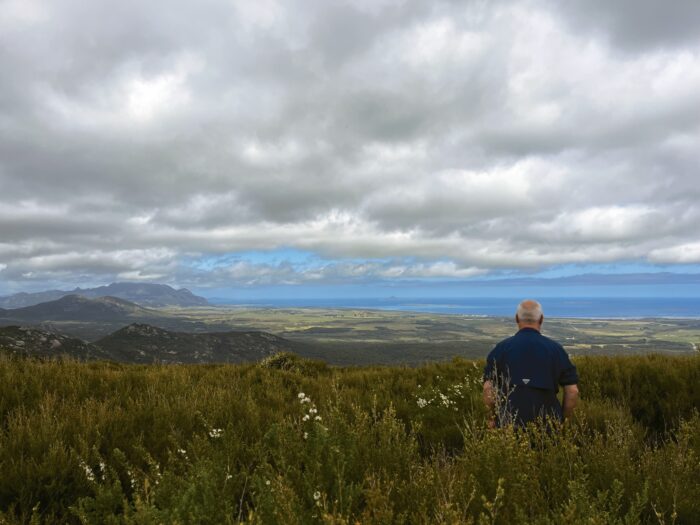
146	344
92	319
122	331
144	294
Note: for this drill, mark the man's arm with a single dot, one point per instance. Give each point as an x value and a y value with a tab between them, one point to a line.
570	400
489	397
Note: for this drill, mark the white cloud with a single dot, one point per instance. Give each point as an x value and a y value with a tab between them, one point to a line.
146	98
442	269
678	254
603	224
23	12
440	41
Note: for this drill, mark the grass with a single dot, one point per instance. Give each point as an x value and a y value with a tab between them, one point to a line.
107	443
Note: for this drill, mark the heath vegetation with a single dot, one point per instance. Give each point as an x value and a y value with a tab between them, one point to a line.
290	440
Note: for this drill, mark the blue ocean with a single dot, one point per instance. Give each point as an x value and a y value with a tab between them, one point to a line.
594	307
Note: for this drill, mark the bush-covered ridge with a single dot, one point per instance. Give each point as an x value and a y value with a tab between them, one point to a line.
293	441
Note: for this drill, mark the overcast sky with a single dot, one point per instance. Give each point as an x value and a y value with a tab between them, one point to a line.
255	143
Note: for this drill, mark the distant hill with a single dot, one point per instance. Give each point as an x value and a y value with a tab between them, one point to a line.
33	342
144	294
92	319
79	308
143	343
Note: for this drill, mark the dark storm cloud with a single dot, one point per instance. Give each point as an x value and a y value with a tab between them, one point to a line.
448	138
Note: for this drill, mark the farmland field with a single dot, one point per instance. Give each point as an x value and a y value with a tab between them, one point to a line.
347	336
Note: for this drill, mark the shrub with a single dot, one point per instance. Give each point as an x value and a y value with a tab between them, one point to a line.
293	363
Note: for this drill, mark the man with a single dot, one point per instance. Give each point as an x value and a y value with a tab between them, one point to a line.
523	374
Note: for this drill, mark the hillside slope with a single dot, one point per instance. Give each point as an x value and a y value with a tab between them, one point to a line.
143	343
78	308
21	341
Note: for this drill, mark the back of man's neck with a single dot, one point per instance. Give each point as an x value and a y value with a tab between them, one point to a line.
531	326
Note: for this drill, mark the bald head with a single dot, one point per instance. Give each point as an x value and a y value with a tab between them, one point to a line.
529	314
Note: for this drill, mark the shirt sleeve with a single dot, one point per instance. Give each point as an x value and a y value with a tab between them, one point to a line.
568	375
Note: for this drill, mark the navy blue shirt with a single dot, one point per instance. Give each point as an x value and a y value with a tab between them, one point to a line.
527	370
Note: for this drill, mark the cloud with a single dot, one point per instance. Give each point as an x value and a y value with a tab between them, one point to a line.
681	253
452	139
636	24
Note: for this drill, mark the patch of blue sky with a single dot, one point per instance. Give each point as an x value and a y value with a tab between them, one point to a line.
299	259
272	257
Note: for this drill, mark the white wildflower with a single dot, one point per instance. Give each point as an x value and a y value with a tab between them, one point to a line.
305	418
445	400
303	398
312	411
132	478
216	433
306	435
422	403
317	418
228	477
317	495
267	482
89	474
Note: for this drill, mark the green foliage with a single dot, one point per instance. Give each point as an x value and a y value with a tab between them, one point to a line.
294	441
293	363
653	389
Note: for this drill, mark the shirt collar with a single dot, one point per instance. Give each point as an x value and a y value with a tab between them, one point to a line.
528	329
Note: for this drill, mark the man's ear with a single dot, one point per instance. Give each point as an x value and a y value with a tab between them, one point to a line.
517	319
541	320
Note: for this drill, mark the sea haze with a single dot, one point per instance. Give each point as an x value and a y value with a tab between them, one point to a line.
594	307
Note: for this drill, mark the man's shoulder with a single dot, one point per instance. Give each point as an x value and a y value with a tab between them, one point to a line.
501	346
555	348
505	342
522	339
551	341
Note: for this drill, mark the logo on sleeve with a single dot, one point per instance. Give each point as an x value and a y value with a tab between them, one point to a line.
526	381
